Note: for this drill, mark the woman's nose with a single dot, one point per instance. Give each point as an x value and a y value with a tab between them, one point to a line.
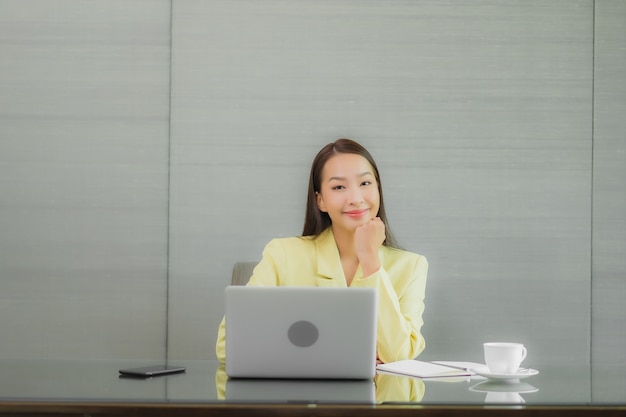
356	197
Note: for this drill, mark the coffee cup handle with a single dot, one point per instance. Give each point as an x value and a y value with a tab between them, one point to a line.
524	352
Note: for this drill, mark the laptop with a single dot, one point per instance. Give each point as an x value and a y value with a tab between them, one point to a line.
300	332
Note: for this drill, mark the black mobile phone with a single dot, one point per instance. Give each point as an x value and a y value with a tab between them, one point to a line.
150	371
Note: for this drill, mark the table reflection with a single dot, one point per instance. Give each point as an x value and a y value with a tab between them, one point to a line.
206	381
384	388
504	392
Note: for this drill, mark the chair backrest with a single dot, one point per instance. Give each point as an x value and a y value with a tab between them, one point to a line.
242	271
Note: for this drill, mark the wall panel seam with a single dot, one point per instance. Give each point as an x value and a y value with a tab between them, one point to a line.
169	187
591	220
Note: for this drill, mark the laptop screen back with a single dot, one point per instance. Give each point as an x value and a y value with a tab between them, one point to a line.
300	332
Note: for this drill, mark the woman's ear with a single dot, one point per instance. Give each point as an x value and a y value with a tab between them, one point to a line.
320	202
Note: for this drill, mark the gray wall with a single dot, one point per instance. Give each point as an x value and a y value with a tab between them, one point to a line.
609	196
84	116
146	146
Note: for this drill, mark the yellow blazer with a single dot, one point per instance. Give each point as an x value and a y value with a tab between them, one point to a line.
314	261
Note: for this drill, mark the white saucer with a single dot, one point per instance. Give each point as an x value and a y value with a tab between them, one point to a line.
521	373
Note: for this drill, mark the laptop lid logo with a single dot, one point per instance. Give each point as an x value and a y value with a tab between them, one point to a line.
303	333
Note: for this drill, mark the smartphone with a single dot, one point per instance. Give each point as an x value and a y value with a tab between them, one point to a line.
150	371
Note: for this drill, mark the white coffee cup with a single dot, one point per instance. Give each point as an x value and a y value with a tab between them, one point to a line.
504	358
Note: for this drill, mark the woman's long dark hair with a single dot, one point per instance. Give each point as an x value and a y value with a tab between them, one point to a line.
315	220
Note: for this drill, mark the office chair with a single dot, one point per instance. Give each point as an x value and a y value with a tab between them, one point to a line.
242	271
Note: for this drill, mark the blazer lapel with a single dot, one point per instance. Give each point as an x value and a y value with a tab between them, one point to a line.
329	270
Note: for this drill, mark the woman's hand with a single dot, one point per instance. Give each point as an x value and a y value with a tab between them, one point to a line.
368	238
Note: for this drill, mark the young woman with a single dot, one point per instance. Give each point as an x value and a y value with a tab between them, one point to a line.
346	242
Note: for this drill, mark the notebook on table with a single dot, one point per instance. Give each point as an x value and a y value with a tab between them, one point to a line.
300	332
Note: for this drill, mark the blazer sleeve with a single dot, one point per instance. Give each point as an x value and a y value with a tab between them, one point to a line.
400	309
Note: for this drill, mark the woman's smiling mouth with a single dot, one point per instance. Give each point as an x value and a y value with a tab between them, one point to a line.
357	213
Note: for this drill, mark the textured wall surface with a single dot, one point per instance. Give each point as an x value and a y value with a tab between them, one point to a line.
84	124
479	118
609	195
146	146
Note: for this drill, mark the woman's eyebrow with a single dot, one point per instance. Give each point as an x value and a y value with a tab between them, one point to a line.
363	174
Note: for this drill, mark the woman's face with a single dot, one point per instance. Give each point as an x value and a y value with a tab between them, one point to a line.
348	191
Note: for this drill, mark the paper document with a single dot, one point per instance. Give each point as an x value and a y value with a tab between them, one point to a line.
468	366
422	369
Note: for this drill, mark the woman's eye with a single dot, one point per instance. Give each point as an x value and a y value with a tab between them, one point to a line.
366	183
338	187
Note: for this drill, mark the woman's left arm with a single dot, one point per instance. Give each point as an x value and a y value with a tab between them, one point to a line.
400	307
